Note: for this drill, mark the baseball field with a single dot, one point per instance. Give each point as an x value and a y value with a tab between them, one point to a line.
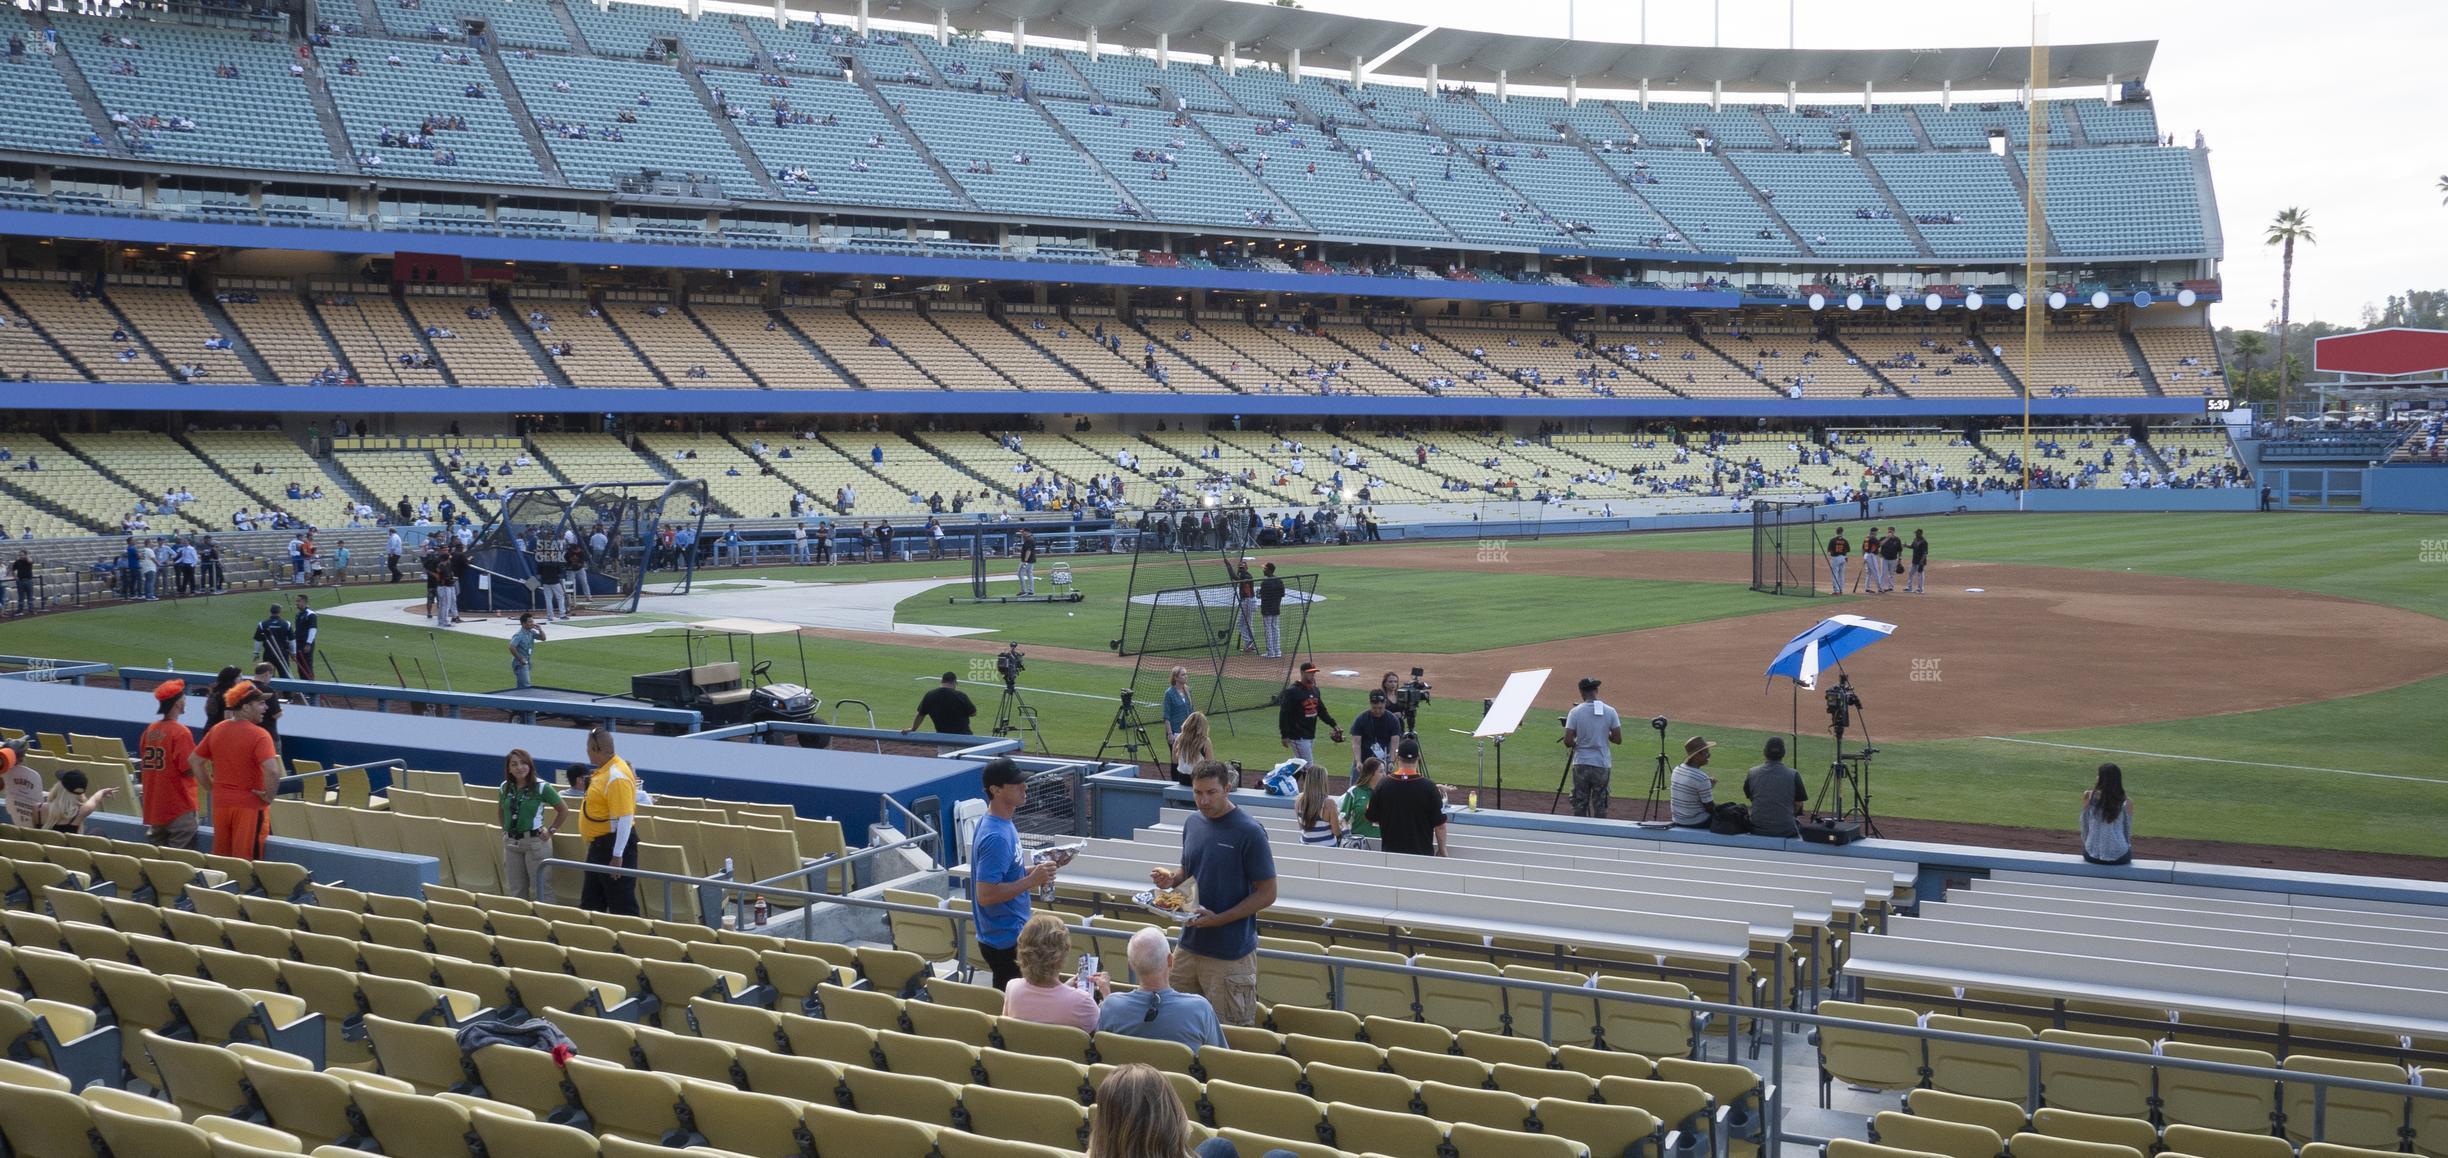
2270	683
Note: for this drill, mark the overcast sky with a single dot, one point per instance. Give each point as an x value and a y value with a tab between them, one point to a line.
2334	108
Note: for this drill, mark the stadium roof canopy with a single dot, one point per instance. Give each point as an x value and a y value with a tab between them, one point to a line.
1471	57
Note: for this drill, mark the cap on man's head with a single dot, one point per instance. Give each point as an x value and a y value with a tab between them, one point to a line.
1377	698
1000	772
167	692
1407	748
239	694
1309	669
951	678
1589	683
1695	746
1775	748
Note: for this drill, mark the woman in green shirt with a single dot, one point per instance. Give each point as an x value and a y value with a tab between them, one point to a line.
527	838
1356	800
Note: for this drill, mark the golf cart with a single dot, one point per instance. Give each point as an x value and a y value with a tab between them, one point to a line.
715	689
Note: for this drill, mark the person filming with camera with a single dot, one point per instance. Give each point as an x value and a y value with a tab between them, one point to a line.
1374	731
1591	729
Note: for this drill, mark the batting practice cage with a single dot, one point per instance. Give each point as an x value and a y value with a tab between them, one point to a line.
631	517
1785	558
1185	608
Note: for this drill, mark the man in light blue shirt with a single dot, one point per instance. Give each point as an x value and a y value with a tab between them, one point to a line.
999	880
1156	1010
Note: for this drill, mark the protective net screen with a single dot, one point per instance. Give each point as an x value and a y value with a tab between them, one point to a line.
615	526
1237	659
1785	548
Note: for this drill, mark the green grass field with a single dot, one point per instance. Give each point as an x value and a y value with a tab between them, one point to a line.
2366	772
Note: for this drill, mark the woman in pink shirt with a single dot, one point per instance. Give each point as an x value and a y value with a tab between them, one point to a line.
1041	993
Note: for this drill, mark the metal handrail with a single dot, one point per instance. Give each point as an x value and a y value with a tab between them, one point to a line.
327	773
1773	1091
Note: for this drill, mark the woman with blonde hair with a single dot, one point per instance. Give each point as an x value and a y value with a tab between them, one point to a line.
1041	993
1191	746
1138	1115
1319	822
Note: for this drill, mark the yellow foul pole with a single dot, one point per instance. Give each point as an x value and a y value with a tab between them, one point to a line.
2035	227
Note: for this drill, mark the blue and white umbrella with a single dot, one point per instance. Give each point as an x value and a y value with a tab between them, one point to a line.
1824	644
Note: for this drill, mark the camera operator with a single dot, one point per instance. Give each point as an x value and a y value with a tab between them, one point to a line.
1591	728
274	640
1374	732
947	705
1302	706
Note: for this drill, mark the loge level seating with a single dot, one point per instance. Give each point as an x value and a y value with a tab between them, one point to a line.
84	326
374	335
770	350
279	328
2185	359
598	355
478	351
2087	360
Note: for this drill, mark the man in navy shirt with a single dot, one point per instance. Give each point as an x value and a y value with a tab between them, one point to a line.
999	882
1226	852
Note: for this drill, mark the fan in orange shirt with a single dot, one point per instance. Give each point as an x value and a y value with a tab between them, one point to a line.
237	758
162	762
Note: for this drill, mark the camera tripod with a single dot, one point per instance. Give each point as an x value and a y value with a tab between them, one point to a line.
1015	715
1849	768
1132	726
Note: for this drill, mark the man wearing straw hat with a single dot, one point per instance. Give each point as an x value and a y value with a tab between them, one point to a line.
1695	791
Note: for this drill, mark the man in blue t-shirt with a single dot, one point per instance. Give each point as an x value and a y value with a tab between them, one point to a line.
999	882
1226	853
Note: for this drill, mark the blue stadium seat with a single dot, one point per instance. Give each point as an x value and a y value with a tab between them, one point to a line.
674	132
895	175
264	115
382	97
2124	202
39	115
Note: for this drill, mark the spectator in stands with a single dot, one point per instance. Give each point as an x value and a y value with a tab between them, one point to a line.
1776	793
240	760
1041	993
527	837
2107	819
164	774
1694	791
1407	808
607	819
1356	800
1319	822
1227	853
1157	1011
66	806
999	884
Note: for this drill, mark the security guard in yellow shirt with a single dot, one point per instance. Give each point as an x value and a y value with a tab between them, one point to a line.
607	821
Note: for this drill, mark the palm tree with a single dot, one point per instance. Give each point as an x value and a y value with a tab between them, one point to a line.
2250	345
2443	188
2291	225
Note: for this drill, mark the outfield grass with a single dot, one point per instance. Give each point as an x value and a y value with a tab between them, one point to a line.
1388	609
2394	735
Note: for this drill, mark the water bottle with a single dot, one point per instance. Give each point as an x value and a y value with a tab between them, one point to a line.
1474	800
726	866
763	911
